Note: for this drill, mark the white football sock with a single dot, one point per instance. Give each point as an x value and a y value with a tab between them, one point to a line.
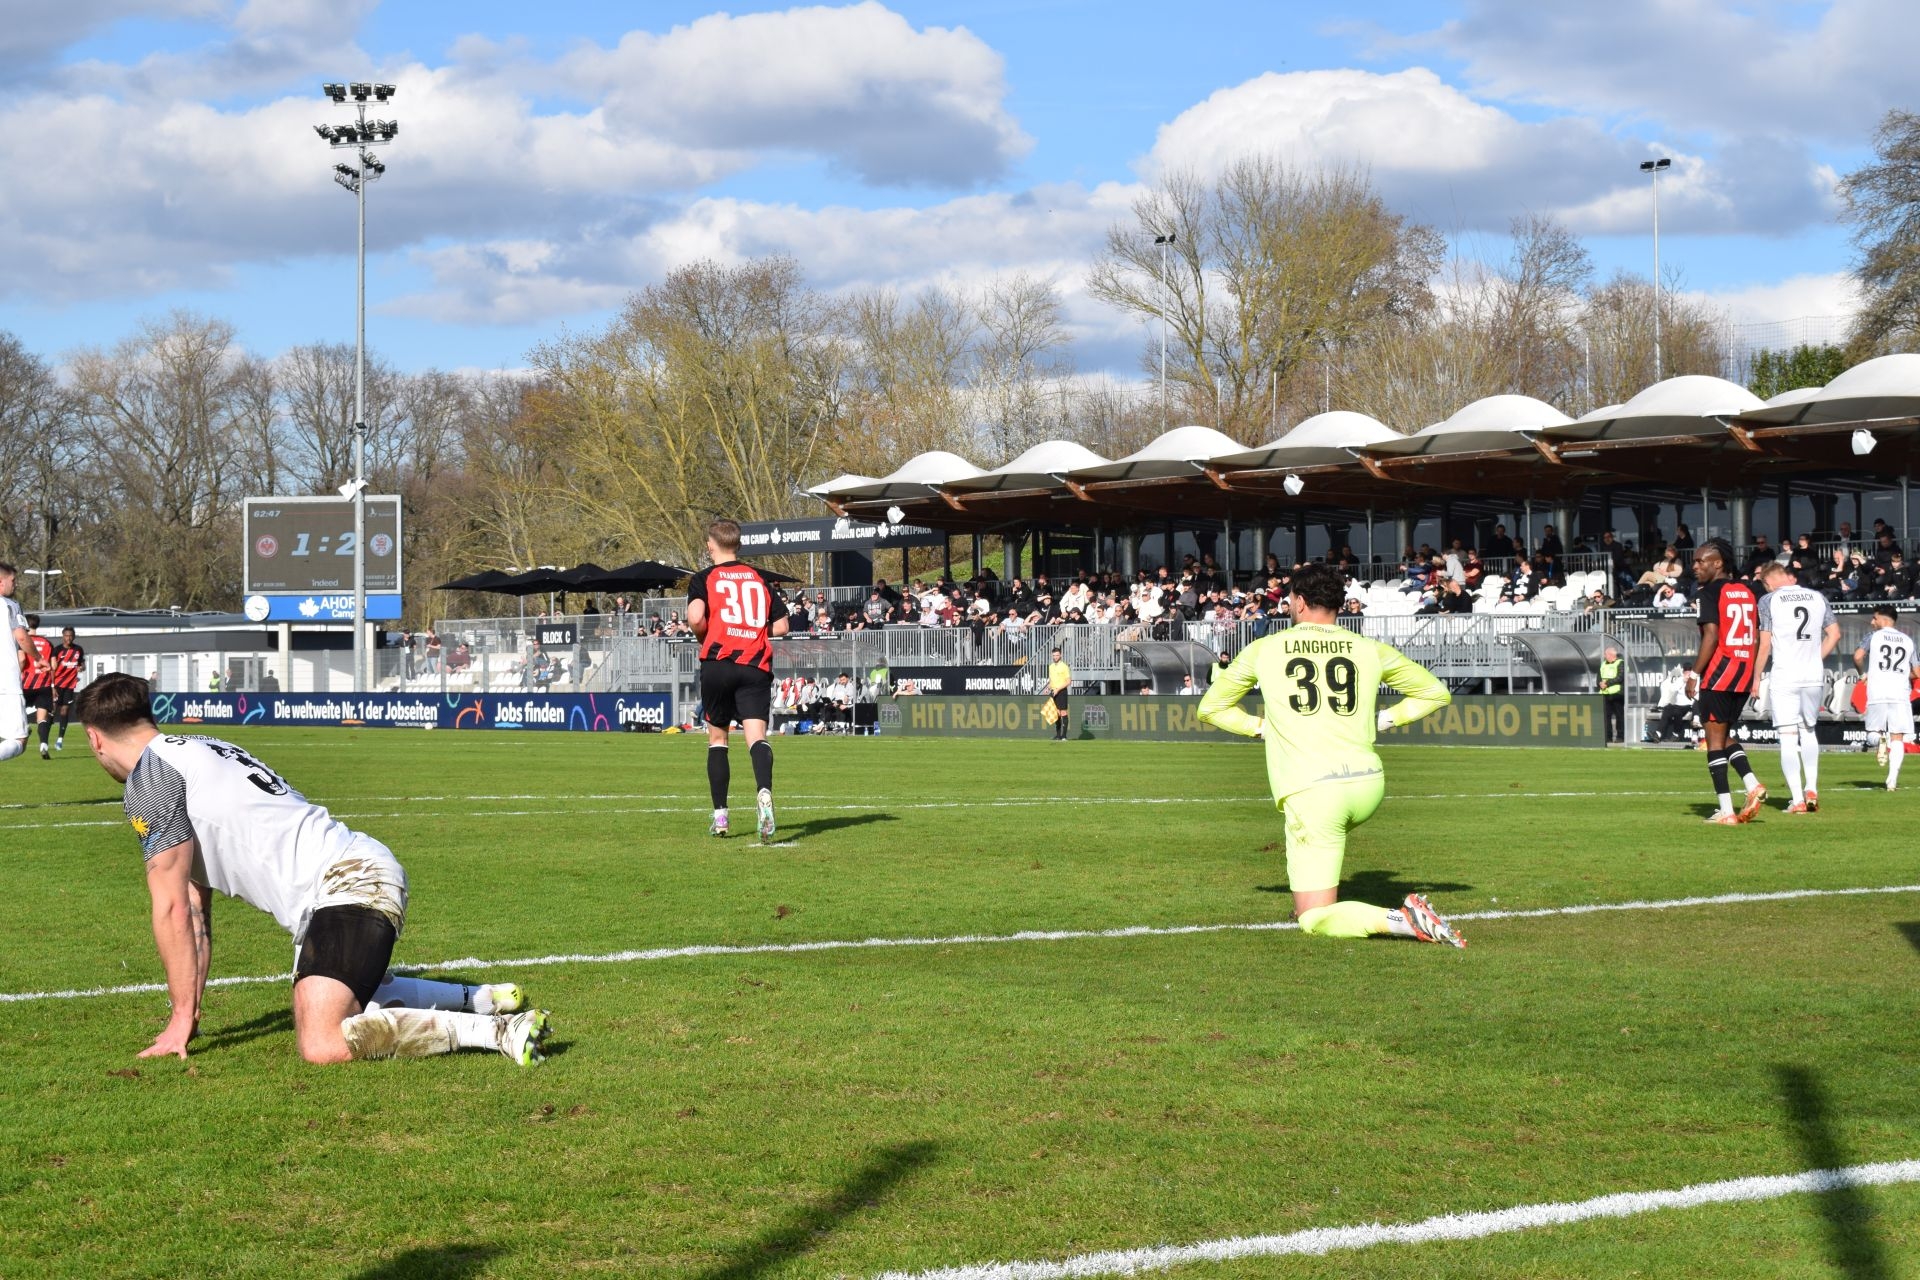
420	993
1726	802
1810	758
12	747
419	1033
1790	759
1398	925
1895	754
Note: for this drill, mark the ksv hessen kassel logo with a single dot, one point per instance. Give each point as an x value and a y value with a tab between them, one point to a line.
381	544
267	545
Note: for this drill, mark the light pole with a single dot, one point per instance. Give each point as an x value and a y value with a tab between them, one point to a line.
1164	242
361	135
43	575
1653	169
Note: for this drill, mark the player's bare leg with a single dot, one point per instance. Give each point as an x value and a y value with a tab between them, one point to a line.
331	1027
760	751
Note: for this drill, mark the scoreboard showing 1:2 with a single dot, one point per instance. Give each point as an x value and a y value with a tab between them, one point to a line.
304	546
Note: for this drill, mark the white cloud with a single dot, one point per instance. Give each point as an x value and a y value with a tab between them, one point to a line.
1443	157
35	30
1801	297
1827	70
860	85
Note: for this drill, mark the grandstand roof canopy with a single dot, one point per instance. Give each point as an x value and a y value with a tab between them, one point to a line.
1686	433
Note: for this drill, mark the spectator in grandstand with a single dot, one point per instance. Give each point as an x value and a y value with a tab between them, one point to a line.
1893	580
432	653
1682	537
1500	546
1415	571
1187	689
1761	553
876	607
1884	547
1617	578
1670	599
1549	542
1476	572
1522	586
461	659
1454	599
540	668
1665	571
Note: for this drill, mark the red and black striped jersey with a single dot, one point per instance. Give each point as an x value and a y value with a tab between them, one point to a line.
741	608
37	677
1735	610
68	661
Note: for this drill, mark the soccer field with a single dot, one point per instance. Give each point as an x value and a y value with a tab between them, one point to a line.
724	1102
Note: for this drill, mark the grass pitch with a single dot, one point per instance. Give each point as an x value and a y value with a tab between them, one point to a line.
853	1112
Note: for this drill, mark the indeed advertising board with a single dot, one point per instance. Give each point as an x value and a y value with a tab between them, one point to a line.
1521	720
578	712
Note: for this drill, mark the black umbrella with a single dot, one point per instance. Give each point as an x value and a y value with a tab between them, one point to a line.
775	576
641	575
485	580
531	583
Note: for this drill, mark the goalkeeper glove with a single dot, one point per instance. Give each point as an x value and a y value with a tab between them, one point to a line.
1384	721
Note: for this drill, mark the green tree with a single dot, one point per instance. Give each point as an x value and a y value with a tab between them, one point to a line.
1807	365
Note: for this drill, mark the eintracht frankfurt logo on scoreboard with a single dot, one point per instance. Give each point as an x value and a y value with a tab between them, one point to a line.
268	547
380	544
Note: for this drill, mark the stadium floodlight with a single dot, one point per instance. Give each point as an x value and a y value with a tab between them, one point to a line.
1653	169
1165	242
361	135
1862	442
43	575
895	515
1294	486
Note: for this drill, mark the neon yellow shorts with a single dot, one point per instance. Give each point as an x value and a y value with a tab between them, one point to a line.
1318	820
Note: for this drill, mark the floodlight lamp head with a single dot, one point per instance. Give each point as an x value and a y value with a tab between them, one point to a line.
1862	442
352	488
361	91
1294	486
338	92
895	515
325	131
381	92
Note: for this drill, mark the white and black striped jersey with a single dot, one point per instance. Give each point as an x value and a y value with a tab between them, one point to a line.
1889	673
260	840
1796	617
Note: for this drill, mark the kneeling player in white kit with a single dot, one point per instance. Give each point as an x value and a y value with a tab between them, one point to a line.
1798	631
16	650
210	816
1887	661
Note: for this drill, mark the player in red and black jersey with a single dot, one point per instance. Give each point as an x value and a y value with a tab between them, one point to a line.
36	680
734	613
1722	676
69	660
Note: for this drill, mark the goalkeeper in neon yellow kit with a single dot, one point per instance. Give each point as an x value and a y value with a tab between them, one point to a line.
1319	684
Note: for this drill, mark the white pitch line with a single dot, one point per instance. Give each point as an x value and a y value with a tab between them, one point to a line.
1318	1241
573	809
473	964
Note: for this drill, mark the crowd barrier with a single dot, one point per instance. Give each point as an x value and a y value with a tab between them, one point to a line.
576	712
1516	720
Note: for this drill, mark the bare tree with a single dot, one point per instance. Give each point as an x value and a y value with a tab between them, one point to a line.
1018	362
1271	267
1883	204
1618	321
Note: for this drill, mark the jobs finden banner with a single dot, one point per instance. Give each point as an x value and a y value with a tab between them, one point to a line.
1519	720
578	712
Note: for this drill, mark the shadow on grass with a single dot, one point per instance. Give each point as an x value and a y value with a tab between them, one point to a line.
437	1262
272	1022
1851	1244
820	826
809	1227
1379	886
1910	930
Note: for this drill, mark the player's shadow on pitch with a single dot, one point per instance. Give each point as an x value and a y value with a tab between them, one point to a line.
1378	886
440	1262
1910	930
810	1226
820	826
270	1023
1852	1247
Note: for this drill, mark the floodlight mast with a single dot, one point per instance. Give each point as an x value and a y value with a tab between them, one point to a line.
362	135
1653	169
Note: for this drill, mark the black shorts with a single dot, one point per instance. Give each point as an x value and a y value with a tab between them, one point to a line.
1060	699
729	692
38	699
351	945
1725	708
63	698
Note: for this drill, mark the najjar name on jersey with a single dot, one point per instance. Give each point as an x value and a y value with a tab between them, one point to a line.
37	676
1735	610
68	660
741	608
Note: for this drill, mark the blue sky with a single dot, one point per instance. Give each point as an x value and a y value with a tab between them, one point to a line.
555	158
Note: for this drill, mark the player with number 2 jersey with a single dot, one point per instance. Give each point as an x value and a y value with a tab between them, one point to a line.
1797	632
734	613
1319	683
